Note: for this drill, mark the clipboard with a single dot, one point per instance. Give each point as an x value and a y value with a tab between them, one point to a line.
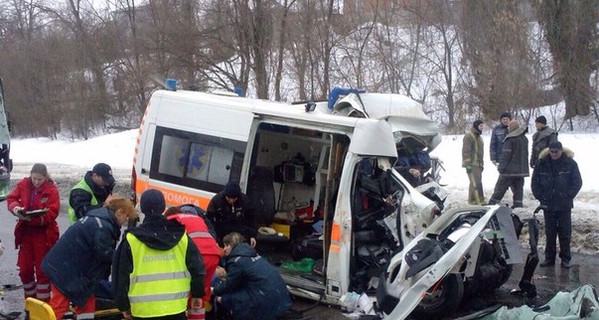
37	211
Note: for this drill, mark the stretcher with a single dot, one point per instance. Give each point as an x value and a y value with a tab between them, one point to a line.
40	310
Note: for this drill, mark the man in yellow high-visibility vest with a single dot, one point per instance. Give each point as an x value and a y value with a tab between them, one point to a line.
91	192
157	266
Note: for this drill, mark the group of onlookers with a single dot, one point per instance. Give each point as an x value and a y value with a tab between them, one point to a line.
556	179
162	268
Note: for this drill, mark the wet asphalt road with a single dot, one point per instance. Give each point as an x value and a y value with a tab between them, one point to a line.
548	281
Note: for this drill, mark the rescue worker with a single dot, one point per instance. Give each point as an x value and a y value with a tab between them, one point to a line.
555	183
91	192
541	139
472	159
231	211
196	228
253	288
513	166
157	266
498	136
83	255
35	234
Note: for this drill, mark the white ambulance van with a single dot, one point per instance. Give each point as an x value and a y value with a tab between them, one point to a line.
319	173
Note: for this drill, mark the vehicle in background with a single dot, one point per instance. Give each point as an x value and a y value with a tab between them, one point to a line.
5	161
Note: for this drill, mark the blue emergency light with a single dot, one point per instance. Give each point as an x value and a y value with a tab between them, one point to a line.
171	84
338	91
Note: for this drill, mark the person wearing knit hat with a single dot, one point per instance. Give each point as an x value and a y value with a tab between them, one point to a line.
555	182
231	211
473	161
161	248
497	136
152	202
513	165
541	139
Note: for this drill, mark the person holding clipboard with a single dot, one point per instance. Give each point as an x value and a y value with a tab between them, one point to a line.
35	203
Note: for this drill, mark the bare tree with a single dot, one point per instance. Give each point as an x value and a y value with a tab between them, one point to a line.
496	47
571	31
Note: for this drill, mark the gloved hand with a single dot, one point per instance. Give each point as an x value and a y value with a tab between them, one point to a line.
468	169
18	210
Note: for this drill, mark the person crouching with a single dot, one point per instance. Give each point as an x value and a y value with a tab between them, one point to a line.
253	288
83	255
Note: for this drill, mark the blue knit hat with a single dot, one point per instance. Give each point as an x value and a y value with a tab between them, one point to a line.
232	189
152	202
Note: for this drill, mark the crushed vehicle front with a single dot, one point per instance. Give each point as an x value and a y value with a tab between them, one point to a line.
443	264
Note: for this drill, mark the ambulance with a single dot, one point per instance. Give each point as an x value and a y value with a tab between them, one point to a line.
320	174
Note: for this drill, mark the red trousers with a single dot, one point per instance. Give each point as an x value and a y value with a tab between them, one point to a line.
60	305
210	264
31	252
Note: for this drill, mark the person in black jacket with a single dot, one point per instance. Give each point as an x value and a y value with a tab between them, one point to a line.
91	192
157	266
497	136
513	165
253	289
541	139
231	211
83	255
555	182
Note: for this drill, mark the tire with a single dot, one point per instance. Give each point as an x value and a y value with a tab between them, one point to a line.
443	301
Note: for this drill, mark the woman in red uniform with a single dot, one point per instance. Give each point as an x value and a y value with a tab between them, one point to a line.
35	203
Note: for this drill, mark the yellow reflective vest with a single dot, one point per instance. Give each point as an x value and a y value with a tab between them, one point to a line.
160	282
81	185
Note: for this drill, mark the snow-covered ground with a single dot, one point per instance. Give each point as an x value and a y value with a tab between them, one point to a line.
70	160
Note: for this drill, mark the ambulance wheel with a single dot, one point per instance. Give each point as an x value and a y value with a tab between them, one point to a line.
443	300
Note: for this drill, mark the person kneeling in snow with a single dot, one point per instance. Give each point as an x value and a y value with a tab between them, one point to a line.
253	288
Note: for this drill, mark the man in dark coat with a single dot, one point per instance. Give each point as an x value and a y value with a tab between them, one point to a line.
253	288
556	181
231	211
513	165
472	159
497	136
82	257
541	139
151	254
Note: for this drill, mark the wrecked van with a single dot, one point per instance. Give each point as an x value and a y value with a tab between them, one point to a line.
319	174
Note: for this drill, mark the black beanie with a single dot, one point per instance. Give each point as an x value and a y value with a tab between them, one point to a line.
541	119
477	123
232	189
505	114
152	202
555	145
